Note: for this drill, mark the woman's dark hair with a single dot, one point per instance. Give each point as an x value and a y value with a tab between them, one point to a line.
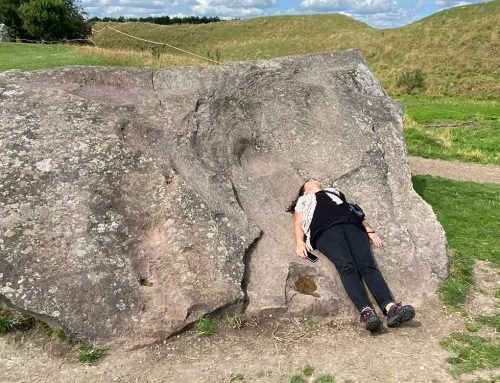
291	208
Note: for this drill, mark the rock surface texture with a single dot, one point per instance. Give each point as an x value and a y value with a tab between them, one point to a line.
134	202
4	33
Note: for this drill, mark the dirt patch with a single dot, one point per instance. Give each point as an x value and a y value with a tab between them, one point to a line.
481	299
269	349
462	171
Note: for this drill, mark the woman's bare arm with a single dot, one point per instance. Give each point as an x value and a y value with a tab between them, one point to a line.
371	234
300	245
367	226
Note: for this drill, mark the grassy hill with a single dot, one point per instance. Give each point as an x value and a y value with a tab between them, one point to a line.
457	49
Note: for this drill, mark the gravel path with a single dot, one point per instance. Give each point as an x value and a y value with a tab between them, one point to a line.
462	171
269	350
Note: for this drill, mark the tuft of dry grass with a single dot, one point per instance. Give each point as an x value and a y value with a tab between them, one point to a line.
130	57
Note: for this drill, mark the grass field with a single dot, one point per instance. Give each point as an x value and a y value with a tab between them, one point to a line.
469	213
40	56
45	56
455	128
457	49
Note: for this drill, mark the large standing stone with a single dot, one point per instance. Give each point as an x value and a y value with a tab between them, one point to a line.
133	202
4	33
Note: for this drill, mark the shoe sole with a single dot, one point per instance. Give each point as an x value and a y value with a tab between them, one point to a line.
373	325
407	313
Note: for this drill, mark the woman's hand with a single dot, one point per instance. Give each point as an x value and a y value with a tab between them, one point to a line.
375	239
301	249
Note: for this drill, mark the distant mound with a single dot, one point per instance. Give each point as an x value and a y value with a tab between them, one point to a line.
457	49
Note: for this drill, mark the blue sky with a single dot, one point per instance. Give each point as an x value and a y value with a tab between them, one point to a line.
377	13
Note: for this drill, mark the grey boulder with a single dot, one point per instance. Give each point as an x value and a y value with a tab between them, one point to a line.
133	201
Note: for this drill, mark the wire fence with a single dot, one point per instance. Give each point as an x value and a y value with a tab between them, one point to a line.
67	41
154	42
94	32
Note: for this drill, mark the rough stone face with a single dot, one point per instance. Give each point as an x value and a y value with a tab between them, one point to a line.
133	202
4	33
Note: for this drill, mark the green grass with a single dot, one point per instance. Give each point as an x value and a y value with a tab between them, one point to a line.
297	379
41	56
469	213
427	109
490	320
430	44
472	352
89	354
206	325
306	376
6	324
61	334
453	128
324	379
10	321
307	370
310	321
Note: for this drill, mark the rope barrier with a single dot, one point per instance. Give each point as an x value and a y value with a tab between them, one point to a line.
53	41
154	42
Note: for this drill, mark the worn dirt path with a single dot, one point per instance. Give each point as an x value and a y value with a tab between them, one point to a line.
271	351
267	350
457	170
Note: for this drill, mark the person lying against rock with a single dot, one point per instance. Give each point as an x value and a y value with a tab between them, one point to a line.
323	220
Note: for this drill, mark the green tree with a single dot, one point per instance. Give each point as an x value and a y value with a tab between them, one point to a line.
9	15
53	20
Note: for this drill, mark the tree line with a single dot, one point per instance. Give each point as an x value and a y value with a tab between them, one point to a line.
44	19
51	20
162	20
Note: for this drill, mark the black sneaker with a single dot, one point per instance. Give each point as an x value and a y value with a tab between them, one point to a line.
370	319
398	314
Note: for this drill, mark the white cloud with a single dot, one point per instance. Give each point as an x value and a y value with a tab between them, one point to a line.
454	3
358	6
395	18
113	10
377	13
231	8
292	11
130	8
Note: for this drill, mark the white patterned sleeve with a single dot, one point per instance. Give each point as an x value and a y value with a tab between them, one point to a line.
299	207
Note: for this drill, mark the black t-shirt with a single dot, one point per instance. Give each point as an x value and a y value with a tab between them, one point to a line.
327	213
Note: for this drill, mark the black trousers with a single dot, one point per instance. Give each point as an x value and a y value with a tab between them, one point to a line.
348	247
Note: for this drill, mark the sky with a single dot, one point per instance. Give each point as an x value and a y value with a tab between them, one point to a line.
376	13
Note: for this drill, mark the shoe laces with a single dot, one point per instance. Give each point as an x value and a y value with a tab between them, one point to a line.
366	313
394	307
